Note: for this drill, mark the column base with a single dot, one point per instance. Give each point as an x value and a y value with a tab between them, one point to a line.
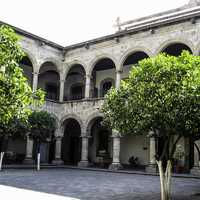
57	162
195	171
28	161
151	168
115	166
83	163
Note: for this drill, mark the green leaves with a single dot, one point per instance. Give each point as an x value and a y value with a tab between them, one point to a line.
16	95
43	125
161	93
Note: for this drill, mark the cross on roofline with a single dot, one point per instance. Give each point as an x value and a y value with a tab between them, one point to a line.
118	24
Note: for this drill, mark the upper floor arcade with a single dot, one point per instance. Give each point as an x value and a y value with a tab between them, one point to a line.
77	82
89	69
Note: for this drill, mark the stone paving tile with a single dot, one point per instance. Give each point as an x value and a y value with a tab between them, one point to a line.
92	185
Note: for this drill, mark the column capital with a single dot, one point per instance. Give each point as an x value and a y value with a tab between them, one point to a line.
35	73
119	71
62	81
89	76
85	136
58	137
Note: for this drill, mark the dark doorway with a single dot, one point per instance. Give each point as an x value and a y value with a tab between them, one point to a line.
100	144
71	144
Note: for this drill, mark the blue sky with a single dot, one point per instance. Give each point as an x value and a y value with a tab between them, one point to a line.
71	21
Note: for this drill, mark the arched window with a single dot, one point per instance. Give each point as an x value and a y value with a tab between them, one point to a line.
105	85
75	83
102	69
49	80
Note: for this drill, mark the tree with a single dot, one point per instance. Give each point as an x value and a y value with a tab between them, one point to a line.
14	129
160	98
16	95
43	126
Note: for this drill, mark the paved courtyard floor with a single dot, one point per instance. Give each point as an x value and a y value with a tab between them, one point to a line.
93	185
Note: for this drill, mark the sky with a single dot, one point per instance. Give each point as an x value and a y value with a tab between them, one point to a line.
67	22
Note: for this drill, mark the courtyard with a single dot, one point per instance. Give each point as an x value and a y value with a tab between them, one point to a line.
95	185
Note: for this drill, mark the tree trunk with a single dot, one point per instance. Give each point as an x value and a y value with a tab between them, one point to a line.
38	156
165	180
1	160
38	162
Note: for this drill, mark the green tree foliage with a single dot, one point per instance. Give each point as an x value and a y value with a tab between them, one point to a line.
162	97
16	95
43	126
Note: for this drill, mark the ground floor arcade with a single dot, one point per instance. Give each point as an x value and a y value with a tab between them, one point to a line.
98	146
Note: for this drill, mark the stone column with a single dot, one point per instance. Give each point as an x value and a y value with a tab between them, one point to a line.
118	79
196	168
151	168
116	151
35	80
29	150
84	152
62	85
87	86
58	146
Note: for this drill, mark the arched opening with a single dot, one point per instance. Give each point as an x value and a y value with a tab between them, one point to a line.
176	49
49	80
100	144
71	143
105	86
132	59
103	69
27	68
47	150
75	83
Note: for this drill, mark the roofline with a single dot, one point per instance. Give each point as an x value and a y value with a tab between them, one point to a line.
163	19
141	24
30	35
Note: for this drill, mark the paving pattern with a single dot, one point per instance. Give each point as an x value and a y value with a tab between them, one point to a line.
94	185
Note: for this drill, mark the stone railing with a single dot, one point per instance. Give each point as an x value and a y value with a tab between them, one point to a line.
82	108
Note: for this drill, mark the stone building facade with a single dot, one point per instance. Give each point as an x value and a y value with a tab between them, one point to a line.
77	77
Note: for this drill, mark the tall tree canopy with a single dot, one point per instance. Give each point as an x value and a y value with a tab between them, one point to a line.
16	95
162	97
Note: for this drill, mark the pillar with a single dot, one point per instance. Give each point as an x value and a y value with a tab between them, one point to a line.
152	167
196	168
58	146
87	86
29	150
84	152
35	80
118	79
62	85
116	151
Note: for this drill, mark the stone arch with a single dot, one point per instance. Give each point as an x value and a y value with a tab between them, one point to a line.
90	119
72	116
71	64
54	61
104	81
169	42
32	58
74	81
71	140
97	59
132	51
